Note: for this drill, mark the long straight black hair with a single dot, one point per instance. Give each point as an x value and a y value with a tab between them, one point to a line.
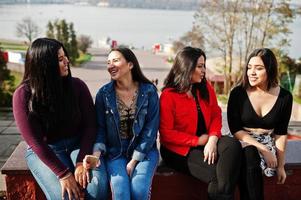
52	96
136	70
179	76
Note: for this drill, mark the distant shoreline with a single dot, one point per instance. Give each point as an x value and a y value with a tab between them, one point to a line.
139	28
142	6
180	5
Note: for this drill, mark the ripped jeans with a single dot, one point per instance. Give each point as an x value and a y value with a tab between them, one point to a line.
66	150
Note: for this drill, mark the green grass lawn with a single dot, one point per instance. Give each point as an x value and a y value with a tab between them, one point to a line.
21	46
13	45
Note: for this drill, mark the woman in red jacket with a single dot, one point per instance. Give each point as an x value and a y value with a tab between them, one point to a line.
190	127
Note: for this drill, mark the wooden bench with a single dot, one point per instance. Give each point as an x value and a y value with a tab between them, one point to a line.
167	183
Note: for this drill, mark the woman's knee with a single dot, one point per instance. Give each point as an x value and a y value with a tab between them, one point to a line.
46	179
230	146
98	186
140	188
120	187
142	179
251	157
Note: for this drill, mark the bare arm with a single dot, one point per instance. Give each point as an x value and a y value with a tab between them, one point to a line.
245	137
268	156
280	141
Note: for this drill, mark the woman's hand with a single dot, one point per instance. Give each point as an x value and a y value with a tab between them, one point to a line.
203	139
91	161
210	150
131	166
81	175
269	157
281	175
69	185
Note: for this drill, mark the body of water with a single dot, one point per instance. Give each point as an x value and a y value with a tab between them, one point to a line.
140	28
137	27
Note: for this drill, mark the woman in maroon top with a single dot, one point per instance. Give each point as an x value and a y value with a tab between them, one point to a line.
56	117
190	127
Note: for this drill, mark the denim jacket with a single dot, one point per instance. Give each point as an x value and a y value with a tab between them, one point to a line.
145	126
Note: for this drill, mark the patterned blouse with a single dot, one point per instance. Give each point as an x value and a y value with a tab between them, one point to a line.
127	115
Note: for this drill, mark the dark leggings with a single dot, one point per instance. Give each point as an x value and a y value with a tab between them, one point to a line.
221	176
251	180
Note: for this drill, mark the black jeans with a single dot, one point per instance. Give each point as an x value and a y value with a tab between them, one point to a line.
221	176
251	179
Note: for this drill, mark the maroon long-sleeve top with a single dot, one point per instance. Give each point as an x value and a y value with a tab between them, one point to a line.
38	139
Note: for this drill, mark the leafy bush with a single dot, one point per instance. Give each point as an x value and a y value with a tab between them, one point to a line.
83	58
6	83
84	42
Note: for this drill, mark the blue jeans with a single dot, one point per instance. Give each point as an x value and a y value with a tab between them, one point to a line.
66	150
136	187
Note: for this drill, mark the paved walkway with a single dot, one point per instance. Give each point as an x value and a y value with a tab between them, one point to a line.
9	139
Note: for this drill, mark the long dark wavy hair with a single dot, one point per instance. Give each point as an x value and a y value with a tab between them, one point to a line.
52	96
136	70
271	66
179	76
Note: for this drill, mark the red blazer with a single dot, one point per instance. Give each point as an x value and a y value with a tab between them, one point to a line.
178	119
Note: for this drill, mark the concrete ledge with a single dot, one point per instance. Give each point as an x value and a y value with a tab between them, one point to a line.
20	183
171	185
16	163
293	150
167	183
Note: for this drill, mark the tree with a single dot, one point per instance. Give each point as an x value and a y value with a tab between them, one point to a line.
58	30
6	83
73	44
192	38
65	37
27	28
50	30
234	28
64	32
273	28
218	21
84	42
288	69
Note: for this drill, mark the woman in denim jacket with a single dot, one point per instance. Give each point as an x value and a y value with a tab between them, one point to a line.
128	120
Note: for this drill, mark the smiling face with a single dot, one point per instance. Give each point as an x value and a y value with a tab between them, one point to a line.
256	72
118	67
63	62
199	72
